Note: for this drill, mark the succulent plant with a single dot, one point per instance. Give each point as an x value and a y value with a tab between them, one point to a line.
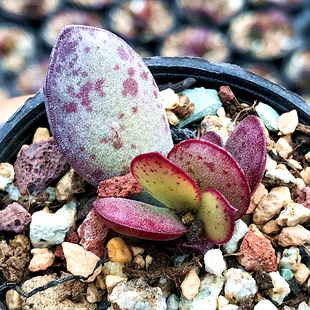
102	103
197	176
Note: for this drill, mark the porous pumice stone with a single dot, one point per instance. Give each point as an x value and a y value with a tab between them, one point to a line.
103	105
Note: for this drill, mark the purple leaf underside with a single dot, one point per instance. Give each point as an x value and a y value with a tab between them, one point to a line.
213	137
247	144
166	182
140	220
211	166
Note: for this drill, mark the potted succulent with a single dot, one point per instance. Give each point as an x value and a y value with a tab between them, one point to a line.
143	144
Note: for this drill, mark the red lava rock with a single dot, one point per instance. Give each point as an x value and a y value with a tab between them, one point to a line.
257	254
93	233
14	218
59	253
38	165
304	197
121	187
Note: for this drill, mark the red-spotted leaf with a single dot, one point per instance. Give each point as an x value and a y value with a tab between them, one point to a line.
218	216
140	220
247	144
167	182
213	137
211	166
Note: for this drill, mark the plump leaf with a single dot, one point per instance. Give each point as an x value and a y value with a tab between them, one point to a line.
140	220
213	137
167	182
247	144
102	103
218	216
211	166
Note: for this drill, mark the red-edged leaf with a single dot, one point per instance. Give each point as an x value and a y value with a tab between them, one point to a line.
167	182
218	216
211	166
247	144
140	220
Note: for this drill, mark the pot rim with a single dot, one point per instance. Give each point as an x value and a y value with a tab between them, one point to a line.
246	85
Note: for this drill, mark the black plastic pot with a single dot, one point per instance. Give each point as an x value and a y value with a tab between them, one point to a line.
247	87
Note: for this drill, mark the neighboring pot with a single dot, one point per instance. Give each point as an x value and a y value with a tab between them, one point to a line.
247	87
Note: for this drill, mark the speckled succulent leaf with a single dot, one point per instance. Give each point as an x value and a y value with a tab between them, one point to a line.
218	216
212	137
247	144
141	220
102	103
211	166
166	182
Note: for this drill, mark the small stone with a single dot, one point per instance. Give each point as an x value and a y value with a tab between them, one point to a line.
239	286
214	262
304	197
284	191
269	206
184	109
293	214
173	302
271	228
136	250
137	294
81	262
287	122
13	300
166	285
6	175
283	148
305	174
113	268
297	188
118	251
293	236
307	157
92	293
71	183
290	259
257	197
139	260
112	281
181	134
303	306
14	218
230	307
123	187
206	102
271	164
169	98
38	165
257	254
287	274
41	260
93	233
268	115
59	253
280	288
281	167
210	289
148	261
265	304
302	273
221	112
240	230
221	302
190	285
256	231
188	218
294	164
172	118
41	134
100	282
20	241
279	177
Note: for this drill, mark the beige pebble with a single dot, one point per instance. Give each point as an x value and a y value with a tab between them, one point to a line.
270	145
302	273
148	261
287	122
92	293
271	228
169	98
188	218
139	260
172	118
307	157
13	300
257	197
293	214
20	241
112	281
285	193
7	171
258	297
190	285
305	174
268	207
294	163
271	164
136	250
118	251
255	230
298	186
221	112
293	236
100	282
41	260
282	167
41	134
283	148
221	302
80	262
24	146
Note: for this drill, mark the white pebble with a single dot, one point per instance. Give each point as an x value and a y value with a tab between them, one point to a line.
265	304
214	262
280	290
